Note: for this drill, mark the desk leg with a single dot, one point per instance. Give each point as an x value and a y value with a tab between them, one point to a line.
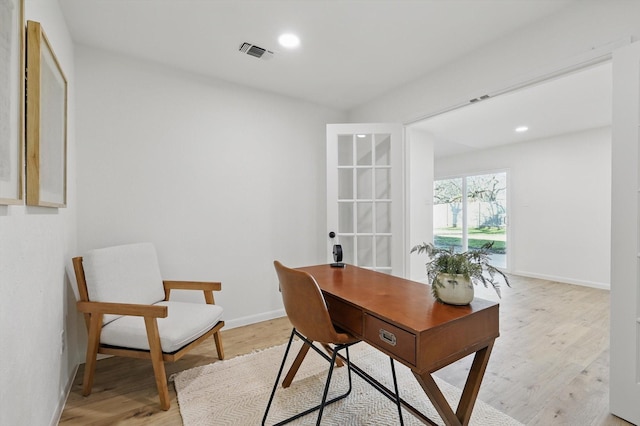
469	395
295	366
437	399
472	386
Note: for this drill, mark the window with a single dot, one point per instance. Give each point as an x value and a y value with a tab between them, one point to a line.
470	211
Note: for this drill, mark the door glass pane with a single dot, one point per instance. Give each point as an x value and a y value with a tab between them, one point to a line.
447	213
364	148
345	218
383	252
345	150
383	218
365	251
345	184
383	149
348	249
486	211
383	184
365	218
365	191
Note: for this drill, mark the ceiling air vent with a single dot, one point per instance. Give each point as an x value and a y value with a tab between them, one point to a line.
256	51
481	98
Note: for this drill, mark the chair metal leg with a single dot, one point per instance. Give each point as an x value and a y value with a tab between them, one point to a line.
395	387
275	385
329	350
324	402
335	355
326	387
394	396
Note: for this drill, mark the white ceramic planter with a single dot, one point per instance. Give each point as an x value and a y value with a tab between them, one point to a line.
456	291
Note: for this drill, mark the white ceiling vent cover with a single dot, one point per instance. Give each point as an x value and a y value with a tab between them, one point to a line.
255	51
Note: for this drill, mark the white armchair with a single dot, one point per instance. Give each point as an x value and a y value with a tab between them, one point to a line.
128	313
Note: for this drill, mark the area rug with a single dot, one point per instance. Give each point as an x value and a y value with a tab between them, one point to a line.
236	391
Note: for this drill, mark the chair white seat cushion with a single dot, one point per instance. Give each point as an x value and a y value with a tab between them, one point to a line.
185	323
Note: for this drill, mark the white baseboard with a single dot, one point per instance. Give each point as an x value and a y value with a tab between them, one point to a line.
584	283
55	419
252	319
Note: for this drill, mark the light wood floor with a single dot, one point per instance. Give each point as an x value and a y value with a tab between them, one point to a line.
550	365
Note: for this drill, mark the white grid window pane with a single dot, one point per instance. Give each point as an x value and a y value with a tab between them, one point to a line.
365	218
383	218
383	149
345	184
365	190
365	251
383	252
383	184
345	218
345	150
364	150
348	249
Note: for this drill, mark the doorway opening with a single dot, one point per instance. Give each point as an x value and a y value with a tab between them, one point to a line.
556	169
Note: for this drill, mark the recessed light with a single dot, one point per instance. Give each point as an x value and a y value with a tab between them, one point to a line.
289	40
522	129
361	136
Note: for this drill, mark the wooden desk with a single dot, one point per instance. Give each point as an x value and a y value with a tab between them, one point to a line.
402	319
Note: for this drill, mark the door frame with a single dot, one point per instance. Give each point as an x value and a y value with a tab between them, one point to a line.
624	366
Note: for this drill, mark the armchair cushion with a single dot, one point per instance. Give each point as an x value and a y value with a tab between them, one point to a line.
185	322
123	274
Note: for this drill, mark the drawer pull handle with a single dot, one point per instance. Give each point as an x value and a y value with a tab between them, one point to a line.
387	337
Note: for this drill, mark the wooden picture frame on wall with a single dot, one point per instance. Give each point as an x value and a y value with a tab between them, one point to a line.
46	129
11	101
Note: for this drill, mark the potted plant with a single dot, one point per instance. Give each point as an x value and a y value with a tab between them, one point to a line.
453	275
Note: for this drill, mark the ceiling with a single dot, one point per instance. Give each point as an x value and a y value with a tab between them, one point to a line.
351	52
571	103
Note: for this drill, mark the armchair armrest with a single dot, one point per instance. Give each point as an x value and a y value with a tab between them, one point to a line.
207	287
123	309
192	285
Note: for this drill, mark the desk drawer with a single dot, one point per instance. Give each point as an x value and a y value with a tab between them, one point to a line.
390	338
344	315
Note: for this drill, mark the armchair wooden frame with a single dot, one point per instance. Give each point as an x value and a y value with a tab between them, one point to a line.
95	311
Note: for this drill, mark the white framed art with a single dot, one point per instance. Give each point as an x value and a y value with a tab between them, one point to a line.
12	48
46	130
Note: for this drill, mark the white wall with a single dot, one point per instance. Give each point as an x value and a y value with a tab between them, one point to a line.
35	244
419	217
559	203
222	179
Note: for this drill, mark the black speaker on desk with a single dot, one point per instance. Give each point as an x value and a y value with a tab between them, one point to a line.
337	253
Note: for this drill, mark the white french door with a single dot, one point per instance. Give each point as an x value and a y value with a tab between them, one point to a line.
625	236
365	194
